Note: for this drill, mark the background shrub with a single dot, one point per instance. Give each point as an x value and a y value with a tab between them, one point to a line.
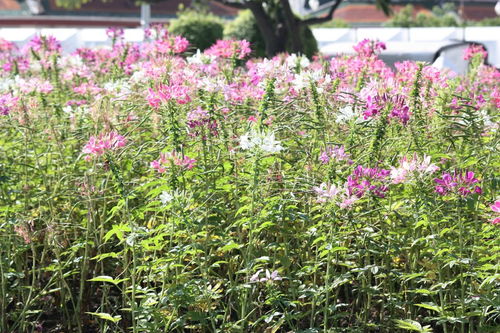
445	16
201	28
245	27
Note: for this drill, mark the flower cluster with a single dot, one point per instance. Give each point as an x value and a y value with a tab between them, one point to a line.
173	45
336	153
461	183
48	44
374	105
361	181
201	118
400	109
114	33
260	141
341	196
35	85
368	180
347	114
6	46
269	276
413	168
368	47
163	93
474	49
7	102
230	49
169	159
103	143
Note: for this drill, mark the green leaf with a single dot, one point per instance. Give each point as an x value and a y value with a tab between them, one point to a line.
118	230
105	278
430	306
230	246
412	325
106	316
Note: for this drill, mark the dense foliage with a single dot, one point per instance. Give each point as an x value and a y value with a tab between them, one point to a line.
143	189
245	27
444	16
200	28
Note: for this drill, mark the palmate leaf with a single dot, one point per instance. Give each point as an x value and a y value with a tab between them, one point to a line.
411	325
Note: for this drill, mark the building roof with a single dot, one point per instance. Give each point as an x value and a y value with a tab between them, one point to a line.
126	12
368	13
9	5
130	8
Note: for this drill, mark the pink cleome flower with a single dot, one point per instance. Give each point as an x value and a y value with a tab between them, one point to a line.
368	47
496	208
474	49
114	32
163	93
7	102
174	45
326	192
337	153
201	118
368	180
6	46
461	183
97	146
411	168
237	49
44	43
170	159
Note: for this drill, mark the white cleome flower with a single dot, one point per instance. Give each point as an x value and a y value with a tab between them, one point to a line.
245	142
270	145
166	197
346	114
260	141
293	61
200	58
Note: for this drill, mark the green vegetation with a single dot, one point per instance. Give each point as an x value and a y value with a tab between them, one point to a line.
200	28
439	17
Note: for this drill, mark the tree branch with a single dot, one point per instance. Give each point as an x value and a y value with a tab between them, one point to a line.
328	17
237	5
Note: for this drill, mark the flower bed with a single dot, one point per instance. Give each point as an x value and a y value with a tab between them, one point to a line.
147	188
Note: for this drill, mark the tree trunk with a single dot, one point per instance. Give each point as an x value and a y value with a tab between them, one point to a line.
269	32
293	27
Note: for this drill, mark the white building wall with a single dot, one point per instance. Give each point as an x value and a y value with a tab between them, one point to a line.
402	43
